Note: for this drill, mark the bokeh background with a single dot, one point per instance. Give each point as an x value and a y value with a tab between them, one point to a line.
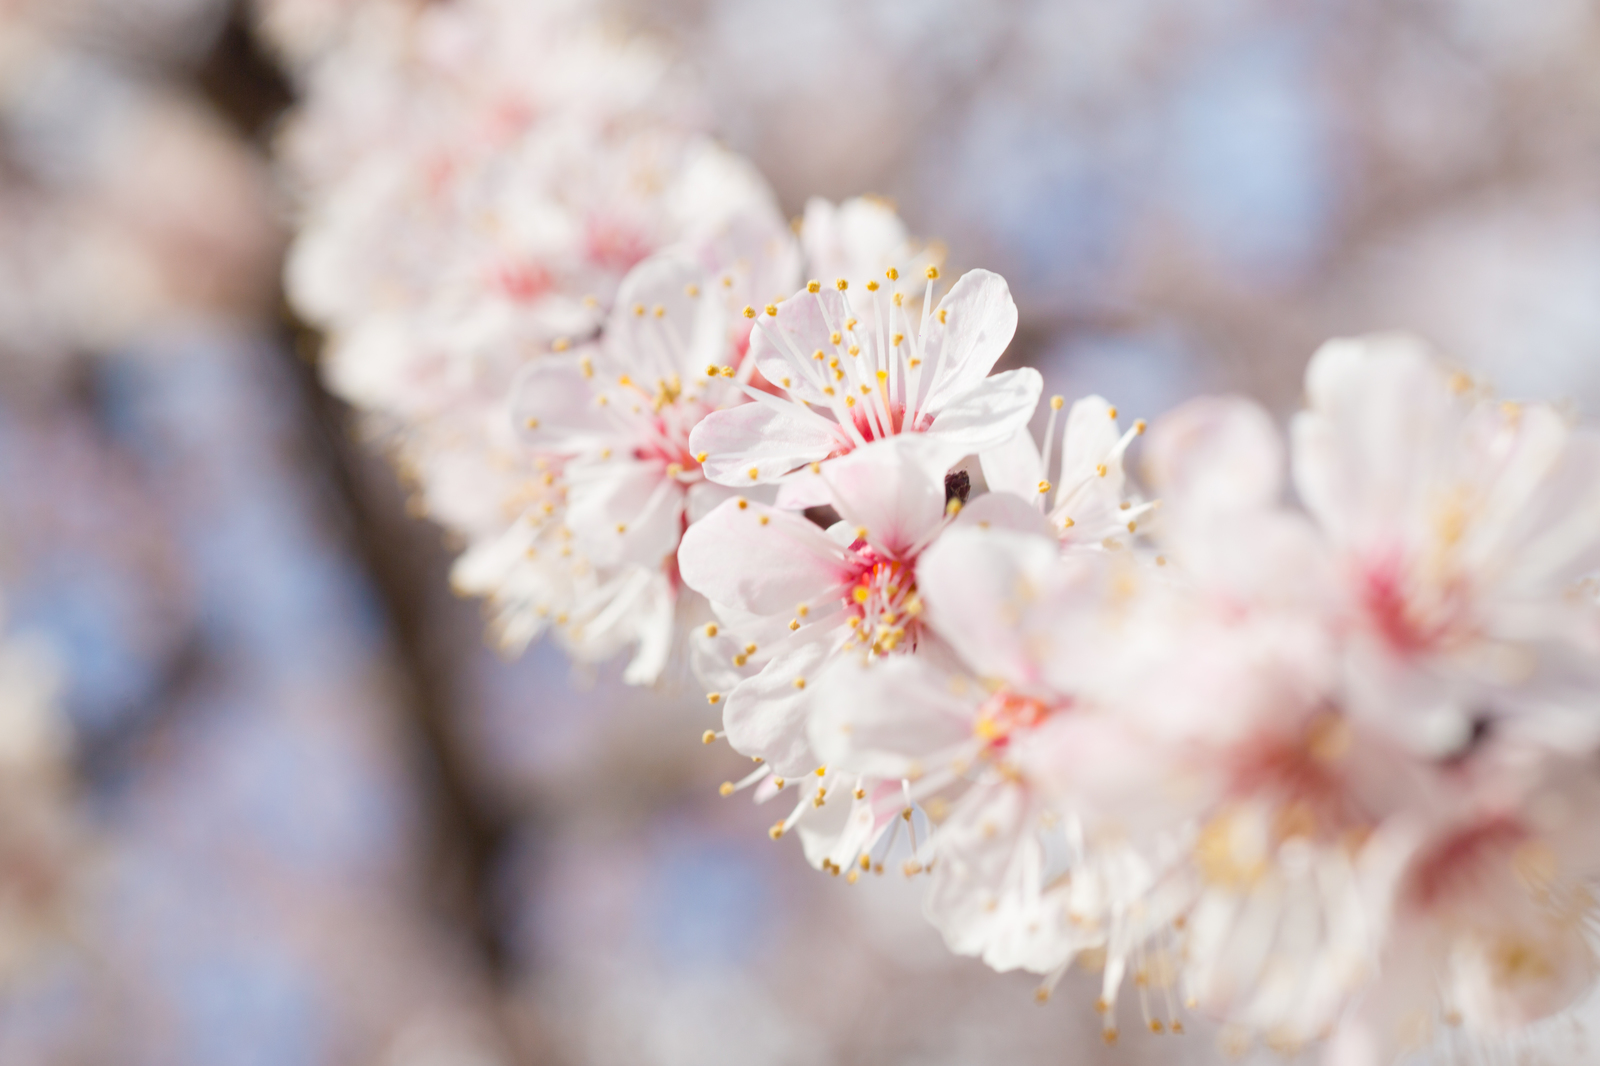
316	819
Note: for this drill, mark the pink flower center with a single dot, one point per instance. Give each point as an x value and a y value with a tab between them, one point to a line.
1006	712
883	604
1412	620
1468	862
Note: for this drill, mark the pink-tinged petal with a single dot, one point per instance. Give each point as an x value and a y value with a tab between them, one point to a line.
1215	453
624	512
846	828
704	498
980	319
1089	443
654	616
802	489
769	439
1380	429
666	322
989	896
989	414
783	346
759	559
766	715
554	406
1004	511
994	596
855	239
1014	465
891	717
894	489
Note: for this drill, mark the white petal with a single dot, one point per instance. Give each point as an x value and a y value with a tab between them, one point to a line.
625	512
1215	453
981	319
1004	510
688	334
889	717
732	558
766	715
996	596
894	489
989	414
771	440
554	406
782	347
1014	465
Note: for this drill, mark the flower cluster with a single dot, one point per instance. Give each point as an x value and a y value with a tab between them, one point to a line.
1320	772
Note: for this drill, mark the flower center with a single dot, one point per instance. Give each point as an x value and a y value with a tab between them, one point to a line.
883	604
1004	713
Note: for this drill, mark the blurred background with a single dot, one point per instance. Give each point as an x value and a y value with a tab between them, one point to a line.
306	815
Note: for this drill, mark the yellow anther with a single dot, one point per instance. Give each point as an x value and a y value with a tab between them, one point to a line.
776	831
835	337
933	273
898	337
841	284
749	649
674	469
899	299
740	660
1041	994
763	520
1110	1037
659	310
861	532
883	375
701	457
952	507
860	596
1138	427
749	312
560	344
777	782
799	682
727	371
712	370
816	468
1056	402
1161	560
872	286
794	623
944	315
708	737
754	473
813	286
532	423
1156	1026
622	527
1112	411
638	310
605	453
691	291
1100	470
849	401
726	789
772	310
1044	486
913	364
711	629
828	391
855	349
892	274
743	504
587	366
819	355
